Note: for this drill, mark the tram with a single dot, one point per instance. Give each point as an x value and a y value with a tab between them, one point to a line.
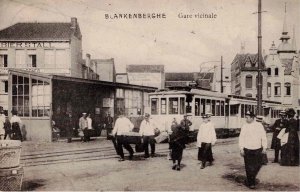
228	111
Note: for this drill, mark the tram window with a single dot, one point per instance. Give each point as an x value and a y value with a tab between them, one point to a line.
182	105
208	106
213	107
203	105
222	108
234	109
173	105
163	106
242	110
197	107
154	106
218	108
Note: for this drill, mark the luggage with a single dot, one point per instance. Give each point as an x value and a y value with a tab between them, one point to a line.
10	151
139	147
11	179
132	138
162	137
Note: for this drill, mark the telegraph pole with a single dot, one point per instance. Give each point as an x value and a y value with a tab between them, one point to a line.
222	74
259	86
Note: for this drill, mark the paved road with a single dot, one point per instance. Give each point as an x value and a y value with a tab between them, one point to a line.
94	166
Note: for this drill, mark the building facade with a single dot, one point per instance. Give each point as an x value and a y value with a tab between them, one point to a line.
244	76
146	75
105	68
50	48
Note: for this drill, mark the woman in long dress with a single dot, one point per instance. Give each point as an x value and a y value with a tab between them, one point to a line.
290	149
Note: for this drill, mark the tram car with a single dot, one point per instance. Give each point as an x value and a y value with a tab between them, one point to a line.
228	111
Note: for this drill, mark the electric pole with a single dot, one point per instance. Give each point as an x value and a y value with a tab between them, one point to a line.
259	86
222	74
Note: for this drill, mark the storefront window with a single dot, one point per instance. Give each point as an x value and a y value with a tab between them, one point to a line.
40	99
20	95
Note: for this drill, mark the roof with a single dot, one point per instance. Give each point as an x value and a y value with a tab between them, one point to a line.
188	76
285	47
39	31
288	65
243	59
81	80
103	61
145	68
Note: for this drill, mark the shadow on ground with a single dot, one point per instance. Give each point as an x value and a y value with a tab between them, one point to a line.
32	185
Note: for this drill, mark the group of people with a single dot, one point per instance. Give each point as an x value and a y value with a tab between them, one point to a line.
10	129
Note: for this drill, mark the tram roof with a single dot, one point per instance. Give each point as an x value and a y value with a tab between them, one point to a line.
191	92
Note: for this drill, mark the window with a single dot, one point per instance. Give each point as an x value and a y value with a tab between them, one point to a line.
208	106
40	98
173	105
20	59
276	71
242	110
222	108
277	88
182	105
269	71
133	102
218	108
203	106
163	106
249	81
269	89
5	86
20	95
287	88
120	93
213	107
248	95
32	61
197	107
3	60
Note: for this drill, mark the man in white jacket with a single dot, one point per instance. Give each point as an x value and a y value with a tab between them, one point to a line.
252	144
147	131
205	139
122	125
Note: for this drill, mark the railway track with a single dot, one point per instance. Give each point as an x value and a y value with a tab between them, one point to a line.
90	154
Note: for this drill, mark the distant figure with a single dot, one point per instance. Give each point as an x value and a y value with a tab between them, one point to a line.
69	125
90	126
147	130
178	139
108	123
252	144
185	123
277	127
2	121
7	128
16	126
83	127
205	139
122	125
290	141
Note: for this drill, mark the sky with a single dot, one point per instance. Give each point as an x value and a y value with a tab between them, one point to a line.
181	44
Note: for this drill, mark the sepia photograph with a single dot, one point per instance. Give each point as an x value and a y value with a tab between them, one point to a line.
149	95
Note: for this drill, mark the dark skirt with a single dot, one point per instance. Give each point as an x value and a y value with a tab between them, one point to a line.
275	141
290	151
205	153
253	163
176	151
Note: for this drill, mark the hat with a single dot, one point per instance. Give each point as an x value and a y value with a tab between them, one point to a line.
290	112
83	113
259	118
250	113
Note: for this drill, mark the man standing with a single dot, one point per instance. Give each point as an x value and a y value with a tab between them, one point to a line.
278	125
2	121
205	139
108	123
147	131
69	126
185	123
252	143
122	125
83	126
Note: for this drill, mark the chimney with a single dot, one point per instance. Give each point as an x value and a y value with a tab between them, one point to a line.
73	22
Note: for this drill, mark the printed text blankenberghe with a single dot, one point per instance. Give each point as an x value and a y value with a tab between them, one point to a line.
136	16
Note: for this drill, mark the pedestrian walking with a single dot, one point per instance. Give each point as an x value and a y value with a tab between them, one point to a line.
205	139
83	127
122	125
2	121
16	124
277	127
108	124
69	126
252	144
178	139
147	131
7	128
290	141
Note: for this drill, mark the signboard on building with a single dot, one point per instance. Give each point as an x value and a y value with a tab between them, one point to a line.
33	44
146	79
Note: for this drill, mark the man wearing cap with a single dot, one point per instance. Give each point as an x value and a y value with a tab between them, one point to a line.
147	131
83	126
185	123
252	144
122	125
277	127
205	139
108	123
